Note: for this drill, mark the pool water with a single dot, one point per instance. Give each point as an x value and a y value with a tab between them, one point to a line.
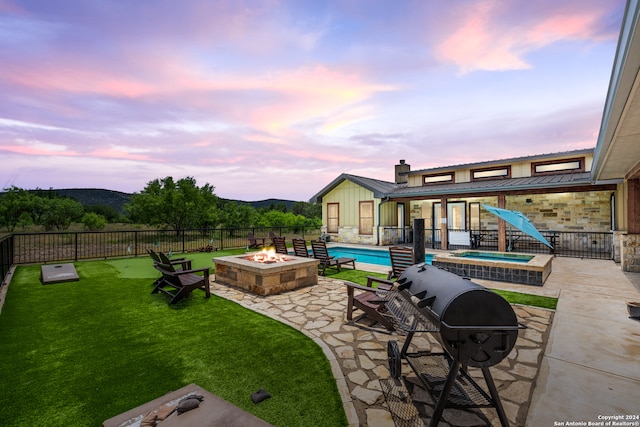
495	256
369	256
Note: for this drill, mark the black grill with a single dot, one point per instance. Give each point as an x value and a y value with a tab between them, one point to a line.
476	327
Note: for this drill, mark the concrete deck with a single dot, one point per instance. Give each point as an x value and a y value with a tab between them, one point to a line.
591	367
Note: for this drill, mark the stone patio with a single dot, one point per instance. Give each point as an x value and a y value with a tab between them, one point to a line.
357	352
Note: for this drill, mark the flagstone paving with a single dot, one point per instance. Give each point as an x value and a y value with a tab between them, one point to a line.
358	356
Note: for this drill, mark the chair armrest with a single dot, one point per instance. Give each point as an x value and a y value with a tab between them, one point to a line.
185	263
197	270
383	284
360	287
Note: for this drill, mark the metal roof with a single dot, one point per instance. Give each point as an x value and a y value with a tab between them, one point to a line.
378	187
495	185
537	157
389	190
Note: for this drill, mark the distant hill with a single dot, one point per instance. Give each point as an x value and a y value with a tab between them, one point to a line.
117	199
267	203
97	196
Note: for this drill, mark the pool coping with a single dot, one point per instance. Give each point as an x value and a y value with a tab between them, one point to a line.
534	272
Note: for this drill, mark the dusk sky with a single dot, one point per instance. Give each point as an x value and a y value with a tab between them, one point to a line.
276	98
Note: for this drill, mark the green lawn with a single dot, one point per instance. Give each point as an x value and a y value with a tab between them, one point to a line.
78	353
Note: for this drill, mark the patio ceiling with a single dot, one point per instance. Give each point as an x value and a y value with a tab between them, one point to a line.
617	154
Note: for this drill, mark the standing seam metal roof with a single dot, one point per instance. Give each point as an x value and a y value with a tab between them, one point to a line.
384	189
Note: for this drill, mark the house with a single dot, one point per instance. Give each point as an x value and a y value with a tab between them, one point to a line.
592	190
554	191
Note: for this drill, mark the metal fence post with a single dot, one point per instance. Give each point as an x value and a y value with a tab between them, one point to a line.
418	239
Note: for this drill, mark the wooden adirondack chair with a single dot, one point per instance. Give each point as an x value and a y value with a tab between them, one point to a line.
370	300
280	245
178	284
319	249
401	258
185	264
254	242
300	248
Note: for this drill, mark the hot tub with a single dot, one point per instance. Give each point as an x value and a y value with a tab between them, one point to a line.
498	266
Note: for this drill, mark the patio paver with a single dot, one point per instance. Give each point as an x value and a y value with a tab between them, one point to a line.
358	355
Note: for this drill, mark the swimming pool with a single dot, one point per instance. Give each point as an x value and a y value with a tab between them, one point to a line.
368	256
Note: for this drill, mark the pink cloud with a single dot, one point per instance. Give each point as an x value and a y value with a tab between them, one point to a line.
38	149
491	37
121	153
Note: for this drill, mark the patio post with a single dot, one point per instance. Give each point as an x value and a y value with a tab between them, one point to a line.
418	240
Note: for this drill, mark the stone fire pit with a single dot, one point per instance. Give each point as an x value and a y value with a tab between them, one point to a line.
266	278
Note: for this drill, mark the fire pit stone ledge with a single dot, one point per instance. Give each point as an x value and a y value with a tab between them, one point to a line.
266	278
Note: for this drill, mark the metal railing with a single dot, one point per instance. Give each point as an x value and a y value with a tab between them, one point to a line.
35	248
576	244
6	257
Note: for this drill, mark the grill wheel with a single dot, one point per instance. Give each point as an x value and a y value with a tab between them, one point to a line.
394	359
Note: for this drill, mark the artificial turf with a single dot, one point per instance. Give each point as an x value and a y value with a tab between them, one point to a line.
77	353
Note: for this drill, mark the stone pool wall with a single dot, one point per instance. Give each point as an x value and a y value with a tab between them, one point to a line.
535	272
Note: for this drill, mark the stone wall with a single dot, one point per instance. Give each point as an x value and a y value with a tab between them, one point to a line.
348	234
631	253
588	211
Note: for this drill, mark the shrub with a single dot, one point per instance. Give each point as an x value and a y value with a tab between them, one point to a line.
94	221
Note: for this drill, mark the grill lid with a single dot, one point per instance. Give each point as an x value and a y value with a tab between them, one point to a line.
477	326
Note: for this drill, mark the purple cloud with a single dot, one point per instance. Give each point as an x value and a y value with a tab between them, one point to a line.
277	98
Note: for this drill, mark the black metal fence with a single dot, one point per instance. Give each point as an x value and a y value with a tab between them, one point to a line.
6	257
36	248
576	244
39	248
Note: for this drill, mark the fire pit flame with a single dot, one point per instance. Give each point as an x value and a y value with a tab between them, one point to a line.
268	256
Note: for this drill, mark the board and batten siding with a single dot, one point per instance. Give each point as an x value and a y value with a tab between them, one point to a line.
349	195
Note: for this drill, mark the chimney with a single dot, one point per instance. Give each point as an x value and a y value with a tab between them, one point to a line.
401	172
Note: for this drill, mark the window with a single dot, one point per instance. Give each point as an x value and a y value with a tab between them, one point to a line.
366	217
474	216
455	213
479	174
333	217
437	179
558	166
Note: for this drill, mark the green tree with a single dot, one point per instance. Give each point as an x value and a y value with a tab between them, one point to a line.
276	218
179	205
109	213
16	207
60	213
94	221
307	209
238	215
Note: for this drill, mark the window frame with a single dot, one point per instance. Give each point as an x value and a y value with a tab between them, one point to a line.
484	178
451	180
361	218
580	168
329	218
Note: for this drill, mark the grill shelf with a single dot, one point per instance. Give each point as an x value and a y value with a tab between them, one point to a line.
433	368
398	398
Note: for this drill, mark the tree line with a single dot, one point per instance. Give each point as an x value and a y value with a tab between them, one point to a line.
164	203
